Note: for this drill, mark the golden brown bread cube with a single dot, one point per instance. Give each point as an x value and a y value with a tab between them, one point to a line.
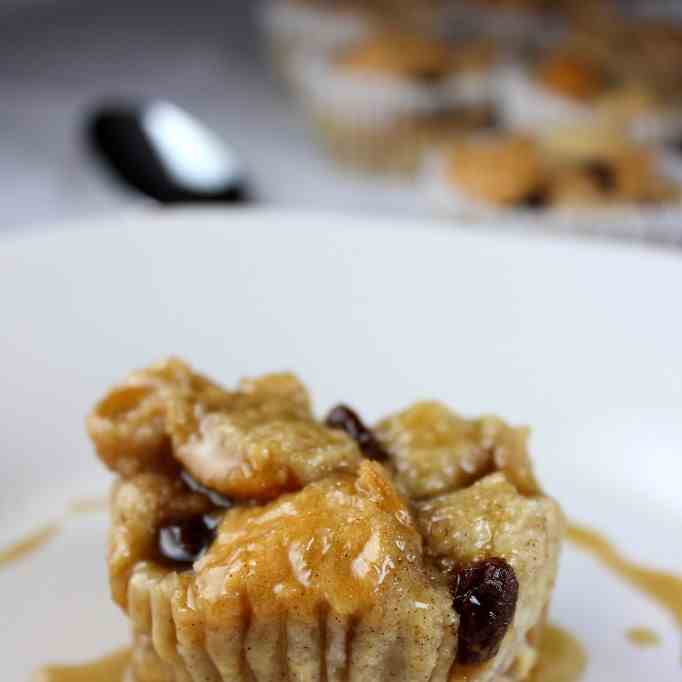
491	519
434	450
253	443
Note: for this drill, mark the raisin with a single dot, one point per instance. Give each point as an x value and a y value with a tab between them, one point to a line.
535	200
484	596
345	419
215	498
183	542
602	174
428	76
492	120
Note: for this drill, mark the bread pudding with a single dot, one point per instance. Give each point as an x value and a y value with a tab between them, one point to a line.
251	541
580	169
383	102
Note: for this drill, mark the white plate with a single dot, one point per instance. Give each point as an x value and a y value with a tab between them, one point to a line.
583	341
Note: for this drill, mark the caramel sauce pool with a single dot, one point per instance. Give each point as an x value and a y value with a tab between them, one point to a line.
663	588
561	657
111	668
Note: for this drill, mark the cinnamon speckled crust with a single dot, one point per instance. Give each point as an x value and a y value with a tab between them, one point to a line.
491	519
345	575
332	576
139	506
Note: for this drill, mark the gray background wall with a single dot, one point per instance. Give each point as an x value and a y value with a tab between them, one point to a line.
59	58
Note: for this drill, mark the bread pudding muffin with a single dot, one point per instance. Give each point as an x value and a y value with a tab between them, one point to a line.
251	541
581	173
380	103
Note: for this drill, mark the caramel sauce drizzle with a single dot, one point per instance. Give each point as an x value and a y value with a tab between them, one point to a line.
28	544
111	668
643	637
38	538
562	657
664	588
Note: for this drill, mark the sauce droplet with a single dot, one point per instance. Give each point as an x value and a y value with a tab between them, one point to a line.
643	637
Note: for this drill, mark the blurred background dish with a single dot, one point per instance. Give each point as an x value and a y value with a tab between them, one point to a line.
600	132
382	86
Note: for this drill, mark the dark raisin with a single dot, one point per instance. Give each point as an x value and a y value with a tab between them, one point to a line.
602	174
215	498
484	596
492	120
183	542
535	200
428	76
345	419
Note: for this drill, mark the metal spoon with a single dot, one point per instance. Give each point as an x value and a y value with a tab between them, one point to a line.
163	152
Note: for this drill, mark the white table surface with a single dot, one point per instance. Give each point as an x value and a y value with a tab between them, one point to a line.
60	57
